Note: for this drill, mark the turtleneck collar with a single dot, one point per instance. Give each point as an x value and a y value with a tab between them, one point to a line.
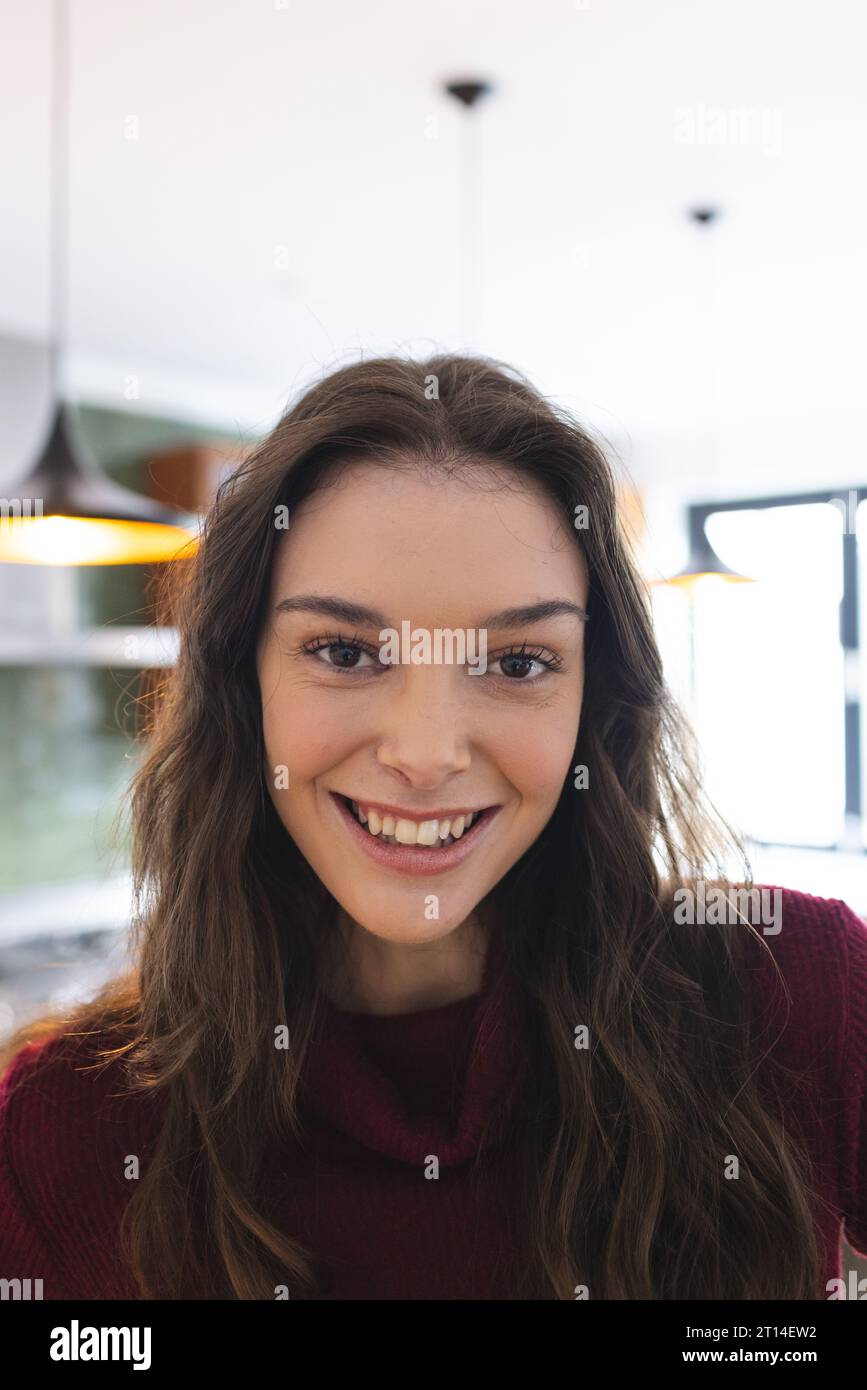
359	1081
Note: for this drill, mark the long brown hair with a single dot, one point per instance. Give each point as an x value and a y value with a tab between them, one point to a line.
625	1188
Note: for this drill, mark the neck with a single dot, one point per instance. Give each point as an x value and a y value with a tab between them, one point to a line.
367	974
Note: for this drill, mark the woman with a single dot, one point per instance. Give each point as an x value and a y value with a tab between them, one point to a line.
416	1009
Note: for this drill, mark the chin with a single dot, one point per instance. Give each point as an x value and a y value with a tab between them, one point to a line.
410	928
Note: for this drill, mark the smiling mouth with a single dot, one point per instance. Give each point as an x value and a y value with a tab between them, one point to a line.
430	834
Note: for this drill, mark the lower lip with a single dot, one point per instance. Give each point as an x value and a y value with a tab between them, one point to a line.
410	859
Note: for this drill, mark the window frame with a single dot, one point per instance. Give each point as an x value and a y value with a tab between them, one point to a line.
854	813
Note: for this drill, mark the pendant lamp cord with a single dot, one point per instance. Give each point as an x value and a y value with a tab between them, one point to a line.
58	199
469	267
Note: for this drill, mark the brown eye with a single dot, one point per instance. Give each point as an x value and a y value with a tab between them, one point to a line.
341	653
346	656
517	665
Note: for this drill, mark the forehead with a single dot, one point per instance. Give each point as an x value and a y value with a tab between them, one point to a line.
419	535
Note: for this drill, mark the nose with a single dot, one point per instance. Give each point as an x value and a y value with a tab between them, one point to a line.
423	736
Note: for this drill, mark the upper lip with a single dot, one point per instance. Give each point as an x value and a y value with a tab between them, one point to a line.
403	812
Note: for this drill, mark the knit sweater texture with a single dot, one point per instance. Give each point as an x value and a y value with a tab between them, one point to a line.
394	1108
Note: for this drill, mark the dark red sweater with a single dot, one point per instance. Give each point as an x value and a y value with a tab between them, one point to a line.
385	1095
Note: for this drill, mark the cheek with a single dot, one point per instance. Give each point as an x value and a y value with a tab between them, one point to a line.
302	734
541	759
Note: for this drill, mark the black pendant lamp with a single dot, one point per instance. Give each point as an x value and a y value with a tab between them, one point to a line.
703	563
66	511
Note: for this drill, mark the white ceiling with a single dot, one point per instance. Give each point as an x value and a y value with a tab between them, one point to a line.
318	126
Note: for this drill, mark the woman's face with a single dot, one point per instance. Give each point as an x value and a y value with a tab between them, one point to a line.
428	739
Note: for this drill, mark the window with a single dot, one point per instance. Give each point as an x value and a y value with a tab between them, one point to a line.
774	670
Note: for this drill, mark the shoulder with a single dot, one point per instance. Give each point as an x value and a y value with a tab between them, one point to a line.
69	1124
810	989
65	1107
815	950
806	967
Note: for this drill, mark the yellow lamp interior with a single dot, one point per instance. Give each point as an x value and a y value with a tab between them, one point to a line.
696	581
73	540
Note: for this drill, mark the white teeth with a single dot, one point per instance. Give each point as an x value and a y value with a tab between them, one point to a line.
428	832
401	831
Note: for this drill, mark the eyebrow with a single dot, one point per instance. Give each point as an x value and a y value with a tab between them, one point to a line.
343	610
